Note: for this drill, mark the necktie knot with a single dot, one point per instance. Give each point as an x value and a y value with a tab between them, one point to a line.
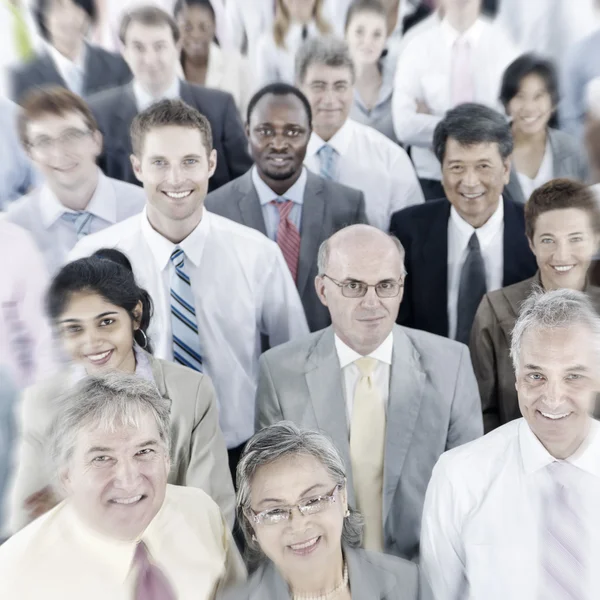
284	207
366	365
178	258
474	242
82	220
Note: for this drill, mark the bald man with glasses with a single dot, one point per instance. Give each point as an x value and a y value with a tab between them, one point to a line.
392	399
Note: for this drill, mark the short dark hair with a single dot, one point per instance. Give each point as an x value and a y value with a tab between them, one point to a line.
279	89
528	64
107	273
180	4
165	113
364	6
471	124
41	9
559	194
151	16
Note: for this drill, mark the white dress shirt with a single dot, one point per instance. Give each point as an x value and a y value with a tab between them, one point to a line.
351	373
423	73
40	213
143	99
481	530
544	174
58	557
370	162
72	72
242	288
491	242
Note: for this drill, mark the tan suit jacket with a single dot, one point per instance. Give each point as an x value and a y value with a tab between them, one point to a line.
490	349
198	451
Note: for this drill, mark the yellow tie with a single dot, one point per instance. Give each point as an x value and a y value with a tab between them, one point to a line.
20	32
367	443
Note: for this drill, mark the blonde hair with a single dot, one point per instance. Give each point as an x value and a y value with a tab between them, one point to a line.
283	21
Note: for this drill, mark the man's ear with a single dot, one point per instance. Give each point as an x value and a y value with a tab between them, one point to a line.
320	287
212	162
137	167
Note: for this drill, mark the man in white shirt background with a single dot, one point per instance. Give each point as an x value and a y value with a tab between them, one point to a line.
461	59
515	513
343	150
217	286
61	136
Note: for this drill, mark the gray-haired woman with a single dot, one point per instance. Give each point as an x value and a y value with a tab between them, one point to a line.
293	510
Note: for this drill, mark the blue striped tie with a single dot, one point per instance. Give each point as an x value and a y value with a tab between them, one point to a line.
328	157
82	221
186	340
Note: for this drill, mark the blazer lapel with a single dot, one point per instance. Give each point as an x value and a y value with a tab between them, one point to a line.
519	262
325	385
407	381
313	219
249	204
514	187
93	67
49	72
368	584
270	584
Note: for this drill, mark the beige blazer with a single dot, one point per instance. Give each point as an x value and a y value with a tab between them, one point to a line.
198	451
490	349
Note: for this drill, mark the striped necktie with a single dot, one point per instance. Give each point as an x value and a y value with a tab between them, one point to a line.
151	582
82	221
328	157
288	236
186	339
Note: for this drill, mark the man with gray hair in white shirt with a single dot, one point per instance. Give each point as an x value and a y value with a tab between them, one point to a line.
343	150
515	513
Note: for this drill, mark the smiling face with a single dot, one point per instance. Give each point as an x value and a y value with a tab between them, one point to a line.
116	480
564	244
197	26
278	133
174	168
304	544
473	178
531	108
557	385
65	22
64	149
366	37
97	334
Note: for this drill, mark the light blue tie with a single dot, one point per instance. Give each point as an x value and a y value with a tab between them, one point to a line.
186	340
82	221
328	157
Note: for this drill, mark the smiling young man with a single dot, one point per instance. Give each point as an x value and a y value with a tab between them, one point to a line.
281	198
60	135
473	240
515	514
217	286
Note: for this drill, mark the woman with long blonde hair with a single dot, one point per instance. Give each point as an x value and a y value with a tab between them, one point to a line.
295	22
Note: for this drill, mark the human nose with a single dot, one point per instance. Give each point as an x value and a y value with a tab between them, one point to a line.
554	394
175	175
279	141
126	473
371	299
561	251
470	178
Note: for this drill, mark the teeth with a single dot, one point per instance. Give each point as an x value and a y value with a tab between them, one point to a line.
471	196
99	356
555	417
178	195
530	119
561	269
127	500
305	544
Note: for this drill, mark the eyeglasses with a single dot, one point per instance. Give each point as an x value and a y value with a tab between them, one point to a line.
65	139
358	289
274	516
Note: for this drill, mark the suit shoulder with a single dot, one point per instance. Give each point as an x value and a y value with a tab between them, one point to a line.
291	350
566	143
24	70
225	193
209	98
394	565
334	188
106	99
178	376
433	346
418	214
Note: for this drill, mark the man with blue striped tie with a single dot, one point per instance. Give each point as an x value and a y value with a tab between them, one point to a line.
217	286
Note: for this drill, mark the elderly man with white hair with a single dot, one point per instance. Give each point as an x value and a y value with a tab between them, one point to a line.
515	513
122	532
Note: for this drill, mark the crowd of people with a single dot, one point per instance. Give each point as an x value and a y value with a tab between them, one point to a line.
307	303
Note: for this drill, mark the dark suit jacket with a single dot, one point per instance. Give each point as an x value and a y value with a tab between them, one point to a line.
103	70
420	13
423	231
327	207
115	110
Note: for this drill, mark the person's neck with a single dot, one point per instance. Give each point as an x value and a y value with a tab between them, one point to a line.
367	74
326	133
129	364
550	287
478	221
174	231
71	51
322	580
280	186
526	139
461	21
76	199
157	92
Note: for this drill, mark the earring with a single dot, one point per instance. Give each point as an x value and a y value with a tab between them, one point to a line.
347	513
253	538
145	338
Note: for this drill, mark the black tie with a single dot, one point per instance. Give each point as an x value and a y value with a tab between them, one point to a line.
471	290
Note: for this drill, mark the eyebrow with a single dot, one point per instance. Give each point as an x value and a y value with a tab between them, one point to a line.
572	233
312	488
531	367
100	316
95	449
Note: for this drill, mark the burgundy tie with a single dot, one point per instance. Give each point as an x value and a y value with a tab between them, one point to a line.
151	583
288	236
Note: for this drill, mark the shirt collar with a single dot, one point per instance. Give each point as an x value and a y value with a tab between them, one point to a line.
536	457
103	203
266	194
62	63
472	35
383	353
162	248
143	99
486	232
340	142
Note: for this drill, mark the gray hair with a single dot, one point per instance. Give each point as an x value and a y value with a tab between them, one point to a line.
551	310
471	124
105	401
329	51
324	251
283	440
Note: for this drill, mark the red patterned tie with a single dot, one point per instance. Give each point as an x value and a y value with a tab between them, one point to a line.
151	583
288	236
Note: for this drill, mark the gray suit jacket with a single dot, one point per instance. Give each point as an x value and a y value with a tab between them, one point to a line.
372	576
434	406
102	70
567	161
327	207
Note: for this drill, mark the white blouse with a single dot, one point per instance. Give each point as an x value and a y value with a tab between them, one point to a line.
545	173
